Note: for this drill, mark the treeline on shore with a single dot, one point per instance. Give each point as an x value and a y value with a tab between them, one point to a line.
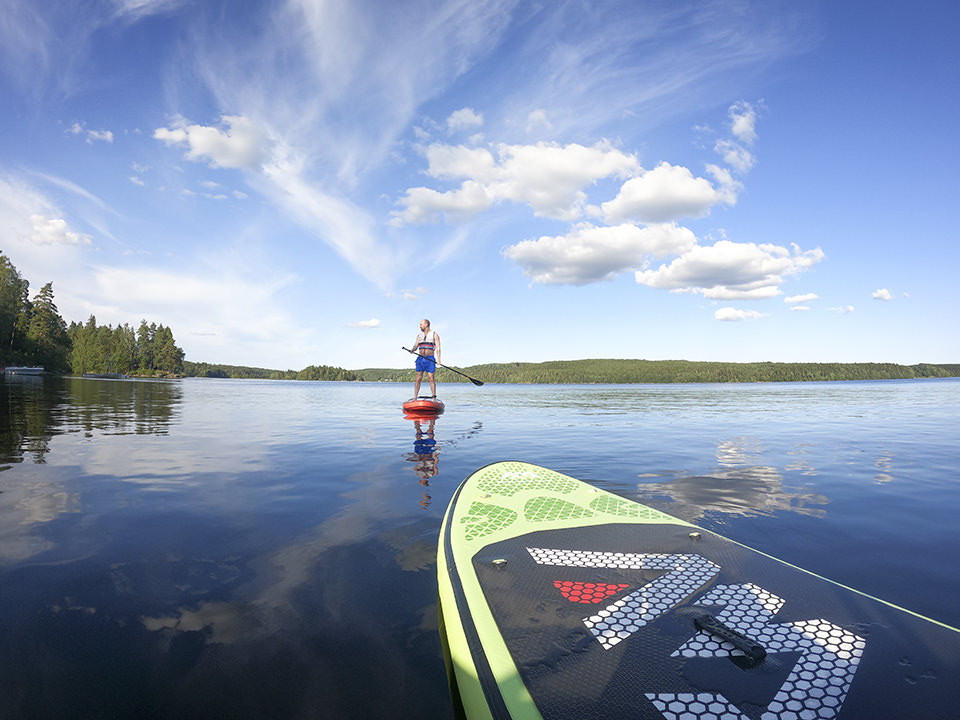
149	351
33	333
670	371
311	372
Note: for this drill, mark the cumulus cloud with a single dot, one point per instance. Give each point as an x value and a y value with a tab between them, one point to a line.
882	294
842	310
372	323
464	119
237	143
664	194
731	271
55	231
729	314
546	176
591	254
800	308
427	205
801	298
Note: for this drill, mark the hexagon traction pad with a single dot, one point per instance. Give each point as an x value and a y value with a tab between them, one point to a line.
555	499
641	656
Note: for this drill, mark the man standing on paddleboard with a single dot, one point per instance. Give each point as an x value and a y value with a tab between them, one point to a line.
427	349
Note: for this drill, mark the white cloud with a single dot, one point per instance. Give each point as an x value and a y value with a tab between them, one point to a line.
413	294
55	231
729	314
372	323
843	310
464	119
743	126
801	298
591	254
104	135
743	122
547	176
229	300
91	135
136	180
730	271
538	121
735	155
427	205
137	9
882	294
279	173
727	186
800	308
457	161
666	193
238	143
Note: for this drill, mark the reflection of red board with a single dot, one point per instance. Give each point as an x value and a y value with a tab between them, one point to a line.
423	406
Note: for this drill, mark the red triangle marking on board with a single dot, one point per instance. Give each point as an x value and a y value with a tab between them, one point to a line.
587	593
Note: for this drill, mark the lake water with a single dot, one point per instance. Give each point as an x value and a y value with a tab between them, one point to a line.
266	549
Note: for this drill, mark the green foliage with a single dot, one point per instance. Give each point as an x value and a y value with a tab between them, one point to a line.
31	331
311	372
670	371
151	351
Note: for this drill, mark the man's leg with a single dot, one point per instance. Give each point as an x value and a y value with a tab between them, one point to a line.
416	385
433	385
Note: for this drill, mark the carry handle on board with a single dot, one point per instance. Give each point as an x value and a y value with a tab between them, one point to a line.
754	651
478	383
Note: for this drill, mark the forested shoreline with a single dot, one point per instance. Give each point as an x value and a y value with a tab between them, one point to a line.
311	372
32	332
611	371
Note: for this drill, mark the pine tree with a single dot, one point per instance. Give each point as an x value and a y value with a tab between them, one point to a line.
49	344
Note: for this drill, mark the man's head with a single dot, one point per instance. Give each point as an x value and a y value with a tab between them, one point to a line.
424	325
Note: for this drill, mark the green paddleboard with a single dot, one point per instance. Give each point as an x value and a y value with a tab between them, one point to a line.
560	600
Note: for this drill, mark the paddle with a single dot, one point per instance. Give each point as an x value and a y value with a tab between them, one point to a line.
478	383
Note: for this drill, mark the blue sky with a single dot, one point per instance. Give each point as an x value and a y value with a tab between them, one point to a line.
297	183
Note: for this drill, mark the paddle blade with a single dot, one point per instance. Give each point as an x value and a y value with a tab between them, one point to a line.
478	383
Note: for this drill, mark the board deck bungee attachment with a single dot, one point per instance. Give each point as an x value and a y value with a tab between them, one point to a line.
561	600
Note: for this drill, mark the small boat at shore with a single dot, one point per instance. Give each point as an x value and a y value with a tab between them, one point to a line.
106	376
23	370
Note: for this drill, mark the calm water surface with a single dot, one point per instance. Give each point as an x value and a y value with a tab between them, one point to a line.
266	549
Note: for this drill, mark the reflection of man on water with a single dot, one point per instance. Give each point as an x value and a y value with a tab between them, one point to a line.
426	451
425	454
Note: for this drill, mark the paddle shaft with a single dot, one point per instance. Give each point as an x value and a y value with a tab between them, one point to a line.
478	383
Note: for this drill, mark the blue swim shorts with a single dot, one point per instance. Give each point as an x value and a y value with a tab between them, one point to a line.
426	364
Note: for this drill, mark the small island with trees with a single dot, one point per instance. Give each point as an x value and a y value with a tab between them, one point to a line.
32	333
